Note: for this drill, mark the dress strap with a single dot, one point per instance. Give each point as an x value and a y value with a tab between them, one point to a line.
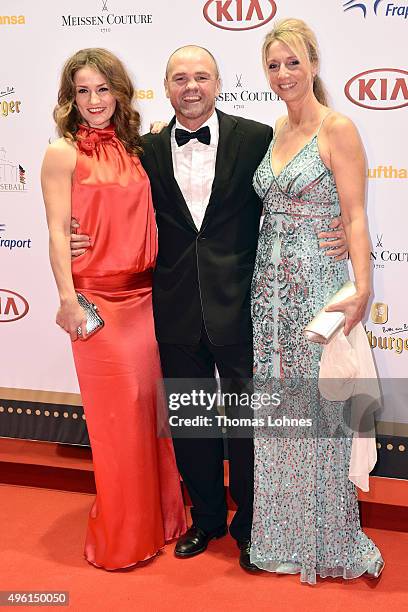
277	132
322	121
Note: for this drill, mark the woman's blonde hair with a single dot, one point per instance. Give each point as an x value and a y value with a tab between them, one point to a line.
300	38
125	118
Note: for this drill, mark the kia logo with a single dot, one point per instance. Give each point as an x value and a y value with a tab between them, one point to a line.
379	89
239	14
12	306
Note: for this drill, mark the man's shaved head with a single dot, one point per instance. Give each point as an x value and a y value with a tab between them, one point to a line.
192	84
189	50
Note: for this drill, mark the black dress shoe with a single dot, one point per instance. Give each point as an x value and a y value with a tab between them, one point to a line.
195	541
244	557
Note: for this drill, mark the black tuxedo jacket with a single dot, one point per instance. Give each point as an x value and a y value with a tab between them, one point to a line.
204	276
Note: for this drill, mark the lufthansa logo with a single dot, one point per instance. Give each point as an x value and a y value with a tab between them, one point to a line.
144	94
239	14
12	19
387	172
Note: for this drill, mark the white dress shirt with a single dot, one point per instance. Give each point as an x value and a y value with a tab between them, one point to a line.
194	168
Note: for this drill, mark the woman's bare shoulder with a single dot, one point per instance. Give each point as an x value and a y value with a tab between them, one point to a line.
339	124
61	153
343	139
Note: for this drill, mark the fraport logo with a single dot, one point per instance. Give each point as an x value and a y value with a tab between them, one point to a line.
377	7
12	243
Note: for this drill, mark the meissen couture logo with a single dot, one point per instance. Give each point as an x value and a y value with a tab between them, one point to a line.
106	19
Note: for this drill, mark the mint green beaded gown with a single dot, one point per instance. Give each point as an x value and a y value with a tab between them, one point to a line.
306	517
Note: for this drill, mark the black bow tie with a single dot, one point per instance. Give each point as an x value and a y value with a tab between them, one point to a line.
183	137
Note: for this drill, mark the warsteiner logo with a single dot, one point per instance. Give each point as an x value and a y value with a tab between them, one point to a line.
239	14
379	89
13	306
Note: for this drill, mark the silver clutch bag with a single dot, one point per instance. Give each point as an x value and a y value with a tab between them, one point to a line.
93	319
322	328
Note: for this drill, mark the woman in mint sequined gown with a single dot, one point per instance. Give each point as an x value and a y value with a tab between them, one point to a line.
306	517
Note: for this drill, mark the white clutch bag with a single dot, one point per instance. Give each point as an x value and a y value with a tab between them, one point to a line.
322	328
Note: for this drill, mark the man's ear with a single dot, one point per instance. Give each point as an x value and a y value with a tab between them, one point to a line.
166	88
218	88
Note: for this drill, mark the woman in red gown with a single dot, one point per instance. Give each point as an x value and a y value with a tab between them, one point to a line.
93	173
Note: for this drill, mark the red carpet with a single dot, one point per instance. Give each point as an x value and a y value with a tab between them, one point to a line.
42	533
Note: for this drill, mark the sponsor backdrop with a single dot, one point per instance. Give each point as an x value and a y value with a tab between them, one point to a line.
364	67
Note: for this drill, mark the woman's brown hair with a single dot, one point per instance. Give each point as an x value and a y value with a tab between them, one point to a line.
300	38
126	119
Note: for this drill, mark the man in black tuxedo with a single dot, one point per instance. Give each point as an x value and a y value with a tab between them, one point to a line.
201	167
208	218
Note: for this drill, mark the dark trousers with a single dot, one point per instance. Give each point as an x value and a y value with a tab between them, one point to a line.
200	460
